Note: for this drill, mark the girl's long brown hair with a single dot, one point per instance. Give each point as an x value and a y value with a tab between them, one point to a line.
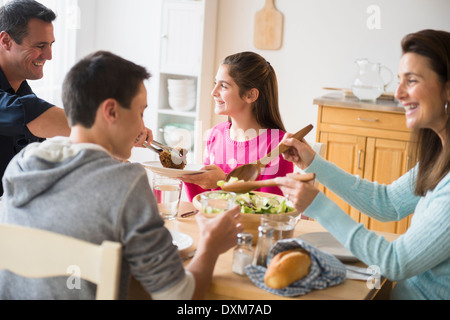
434	159
249	70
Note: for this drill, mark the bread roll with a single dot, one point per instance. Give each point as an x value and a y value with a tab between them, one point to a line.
287	267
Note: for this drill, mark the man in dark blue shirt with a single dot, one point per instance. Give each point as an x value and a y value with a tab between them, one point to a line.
26	38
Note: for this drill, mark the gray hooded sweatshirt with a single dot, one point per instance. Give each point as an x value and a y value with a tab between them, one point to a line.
81	191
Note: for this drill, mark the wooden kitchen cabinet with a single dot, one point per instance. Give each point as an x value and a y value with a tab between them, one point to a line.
366	139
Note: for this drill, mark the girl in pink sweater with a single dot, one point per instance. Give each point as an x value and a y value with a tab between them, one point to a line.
246	90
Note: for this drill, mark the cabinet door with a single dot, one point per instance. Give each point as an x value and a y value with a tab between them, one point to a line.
347	152
181	42
386	161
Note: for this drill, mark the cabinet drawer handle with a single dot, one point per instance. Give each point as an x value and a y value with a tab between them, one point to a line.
359	158
367	120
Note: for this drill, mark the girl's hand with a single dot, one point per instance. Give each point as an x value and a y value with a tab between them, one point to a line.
206	180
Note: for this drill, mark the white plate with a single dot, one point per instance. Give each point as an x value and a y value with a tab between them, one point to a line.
156	167
181	240
327	243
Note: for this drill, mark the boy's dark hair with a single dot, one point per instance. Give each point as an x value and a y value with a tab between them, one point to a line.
99	76
15	15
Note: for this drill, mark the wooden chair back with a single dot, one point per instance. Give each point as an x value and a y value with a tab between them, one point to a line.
35	253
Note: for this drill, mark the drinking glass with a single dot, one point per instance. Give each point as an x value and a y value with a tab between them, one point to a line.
167	193
283	225
217	202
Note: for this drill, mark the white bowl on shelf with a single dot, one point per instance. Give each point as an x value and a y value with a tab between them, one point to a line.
183	84
180	82
182	103
182	94
182	91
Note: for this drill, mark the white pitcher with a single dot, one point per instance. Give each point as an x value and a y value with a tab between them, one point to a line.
368	84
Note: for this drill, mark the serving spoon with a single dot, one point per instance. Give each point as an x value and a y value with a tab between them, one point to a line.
251	171
247	186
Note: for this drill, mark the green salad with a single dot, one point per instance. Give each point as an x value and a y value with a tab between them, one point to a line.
254	203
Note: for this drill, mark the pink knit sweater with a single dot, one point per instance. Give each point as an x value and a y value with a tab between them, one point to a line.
228	154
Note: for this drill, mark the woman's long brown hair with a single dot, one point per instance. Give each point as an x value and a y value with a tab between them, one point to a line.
434	159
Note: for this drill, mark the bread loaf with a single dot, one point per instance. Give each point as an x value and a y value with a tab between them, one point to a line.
287	267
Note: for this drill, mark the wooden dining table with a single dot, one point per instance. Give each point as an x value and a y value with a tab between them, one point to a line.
227	285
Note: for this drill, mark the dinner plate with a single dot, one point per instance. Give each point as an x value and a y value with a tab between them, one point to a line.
325	242
156	167
181	240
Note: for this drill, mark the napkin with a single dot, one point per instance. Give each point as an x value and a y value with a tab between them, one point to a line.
326	270
358	273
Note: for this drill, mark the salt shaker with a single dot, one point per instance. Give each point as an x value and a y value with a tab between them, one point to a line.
265	233
243	253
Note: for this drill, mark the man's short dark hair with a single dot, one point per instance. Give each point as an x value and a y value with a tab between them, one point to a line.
96	78
15	15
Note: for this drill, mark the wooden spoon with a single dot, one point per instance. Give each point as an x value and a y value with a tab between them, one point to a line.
247	186
251	171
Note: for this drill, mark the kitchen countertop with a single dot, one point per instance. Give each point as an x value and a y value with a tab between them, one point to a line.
338	99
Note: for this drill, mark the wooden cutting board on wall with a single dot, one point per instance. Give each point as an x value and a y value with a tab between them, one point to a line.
268	33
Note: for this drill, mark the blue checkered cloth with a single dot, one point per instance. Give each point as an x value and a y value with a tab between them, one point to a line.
326	270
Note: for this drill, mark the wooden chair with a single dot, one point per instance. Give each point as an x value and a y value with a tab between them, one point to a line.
38	253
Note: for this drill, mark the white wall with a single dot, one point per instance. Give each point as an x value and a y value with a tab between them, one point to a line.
127	28
322	39
86	35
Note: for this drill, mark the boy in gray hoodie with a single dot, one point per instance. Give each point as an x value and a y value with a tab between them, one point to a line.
80	186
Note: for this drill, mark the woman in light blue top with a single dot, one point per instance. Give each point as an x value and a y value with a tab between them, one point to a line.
419	260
